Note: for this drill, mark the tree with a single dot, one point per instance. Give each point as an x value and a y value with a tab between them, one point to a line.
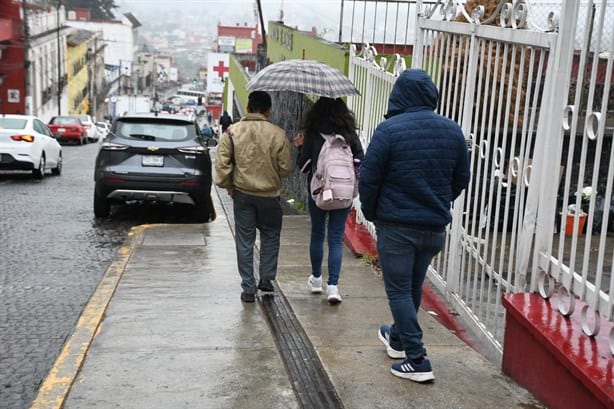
100	9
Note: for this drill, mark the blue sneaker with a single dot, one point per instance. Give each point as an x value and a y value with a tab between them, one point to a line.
417	370
394	349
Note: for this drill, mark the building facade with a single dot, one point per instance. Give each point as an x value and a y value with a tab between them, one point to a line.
78	71
120	38
32	67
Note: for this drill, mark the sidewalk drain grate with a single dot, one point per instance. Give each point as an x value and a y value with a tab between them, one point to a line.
311	384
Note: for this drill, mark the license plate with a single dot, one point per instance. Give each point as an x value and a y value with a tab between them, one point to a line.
61	129
152	160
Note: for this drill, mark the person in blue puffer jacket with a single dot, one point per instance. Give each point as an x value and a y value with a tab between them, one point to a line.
415	166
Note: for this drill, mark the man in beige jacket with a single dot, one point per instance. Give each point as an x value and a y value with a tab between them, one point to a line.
252	158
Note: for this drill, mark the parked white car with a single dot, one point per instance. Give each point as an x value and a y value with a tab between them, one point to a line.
103	129
26	143
90	128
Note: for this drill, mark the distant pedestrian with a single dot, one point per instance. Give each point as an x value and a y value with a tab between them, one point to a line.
206	131
415	166
209	117
327	116
252	158
225	121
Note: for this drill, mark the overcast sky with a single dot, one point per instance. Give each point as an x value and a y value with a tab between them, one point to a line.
305	13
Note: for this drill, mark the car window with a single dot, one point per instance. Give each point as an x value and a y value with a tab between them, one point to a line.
62	120
13	123
40	127
84	118
154	131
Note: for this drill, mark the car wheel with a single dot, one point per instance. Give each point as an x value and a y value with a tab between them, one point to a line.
40	172
57	171
102	206
204	210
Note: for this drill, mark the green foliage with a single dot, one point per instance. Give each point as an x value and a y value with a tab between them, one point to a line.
100	9
373	261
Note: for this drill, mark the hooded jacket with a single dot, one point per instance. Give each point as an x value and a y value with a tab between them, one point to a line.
255	160
417	161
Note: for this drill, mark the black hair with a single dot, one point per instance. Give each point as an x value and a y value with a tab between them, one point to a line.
259	102
330	116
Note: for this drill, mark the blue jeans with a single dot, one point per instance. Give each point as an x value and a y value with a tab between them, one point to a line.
264	214
336	228
404	255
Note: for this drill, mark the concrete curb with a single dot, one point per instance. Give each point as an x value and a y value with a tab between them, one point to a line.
55	387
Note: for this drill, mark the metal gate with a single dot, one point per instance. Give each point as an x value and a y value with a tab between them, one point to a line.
529	83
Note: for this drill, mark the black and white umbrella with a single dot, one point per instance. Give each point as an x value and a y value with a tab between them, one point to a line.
304	76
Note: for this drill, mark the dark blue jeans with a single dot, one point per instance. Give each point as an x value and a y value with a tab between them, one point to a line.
264	214
336	228
405	255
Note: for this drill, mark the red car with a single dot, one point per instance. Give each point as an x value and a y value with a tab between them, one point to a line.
69	128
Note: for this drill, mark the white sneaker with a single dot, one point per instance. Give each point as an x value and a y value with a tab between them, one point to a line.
333	294
315	283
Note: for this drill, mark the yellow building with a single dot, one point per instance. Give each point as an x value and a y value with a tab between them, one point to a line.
78	72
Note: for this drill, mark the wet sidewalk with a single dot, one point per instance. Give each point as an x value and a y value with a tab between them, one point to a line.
166	329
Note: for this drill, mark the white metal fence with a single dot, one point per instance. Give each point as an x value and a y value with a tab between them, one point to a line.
534	110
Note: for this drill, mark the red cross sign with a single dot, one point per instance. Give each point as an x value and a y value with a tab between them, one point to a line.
220	68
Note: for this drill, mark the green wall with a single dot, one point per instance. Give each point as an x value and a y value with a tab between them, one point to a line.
286	43
239	79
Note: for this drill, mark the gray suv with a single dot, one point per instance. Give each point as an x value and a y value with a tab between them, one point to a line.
154	158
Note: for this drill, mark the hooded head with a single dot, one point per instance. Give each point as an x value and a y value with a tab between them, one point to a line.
414	90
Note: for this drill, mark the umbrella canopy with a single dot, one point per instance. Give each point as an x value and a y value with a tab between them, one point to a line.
304	76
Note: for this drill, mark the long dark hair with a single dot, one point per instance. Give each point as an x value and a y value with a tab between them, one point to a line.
329	116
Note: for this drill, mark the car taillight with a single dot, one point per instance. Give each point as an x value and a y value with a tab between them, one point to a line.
193	149
109	146
24	138
111	179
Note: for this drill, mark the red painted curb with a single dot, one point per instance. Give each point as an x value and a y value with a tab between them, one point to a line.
360	242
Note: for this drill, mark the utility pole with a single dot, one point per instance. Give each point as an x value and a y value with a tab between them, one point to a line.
26	52
341	22
95	77
154	76
59	59
262	48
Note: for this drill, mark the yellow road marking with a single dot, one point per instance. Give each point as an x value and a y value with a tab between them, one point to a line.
56	385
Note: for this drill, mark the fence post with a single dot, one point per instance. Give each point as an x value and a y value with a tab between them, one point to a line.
416	58
542	194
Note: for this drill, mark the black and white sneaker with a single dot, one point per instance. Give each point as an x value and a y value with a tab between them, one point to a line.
394	349
417	370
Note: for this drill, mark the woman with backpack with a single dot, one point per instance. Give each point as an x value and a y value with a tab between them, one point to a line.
326	117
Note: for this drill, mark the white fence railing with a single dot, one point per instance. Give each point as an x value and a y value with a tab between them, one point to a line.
533	109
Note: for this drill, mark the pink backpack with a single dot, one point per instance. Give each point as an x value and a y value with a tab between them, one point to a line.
333	185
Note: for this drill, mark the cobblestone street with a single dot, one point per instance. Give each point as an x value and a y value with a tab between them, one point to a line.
53	254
